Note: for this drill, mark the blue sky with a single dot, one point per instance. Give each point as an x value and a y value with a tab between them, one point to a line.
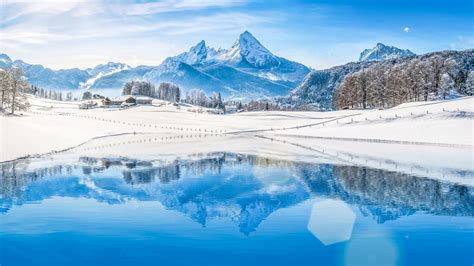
320	34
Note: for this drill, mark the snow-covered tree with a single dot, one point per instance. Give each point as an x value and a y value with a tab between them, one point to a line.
446	84
139	88
127	88
5	91
19	88
470	83
437	66
197	97
168	92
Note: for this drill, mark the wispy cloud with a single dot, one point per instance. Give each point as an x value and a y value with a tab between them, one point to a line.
27	25
149	8
107	27
31	21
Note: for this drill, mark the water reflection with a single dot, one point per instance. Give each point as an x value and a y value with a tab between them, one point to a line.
387	195
245	188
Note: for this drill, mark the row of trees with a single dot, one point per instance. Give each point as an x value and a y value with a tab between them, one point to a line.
168	92
199	97
165	91
386	84
172	93
49	94
13	90
139	88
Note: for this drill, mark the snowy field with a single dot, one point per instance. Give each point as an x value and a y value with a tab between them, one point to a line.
52	126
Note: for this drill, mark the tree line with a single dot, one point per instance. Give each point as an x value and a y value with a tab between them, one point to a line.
165	91
172	93
199	97
50	94
387	84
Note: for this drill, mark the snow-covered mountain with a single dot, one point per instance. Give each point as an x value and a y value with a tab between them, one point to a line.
383	52
5	60
47	78
248	52
103	70
198	54
245	70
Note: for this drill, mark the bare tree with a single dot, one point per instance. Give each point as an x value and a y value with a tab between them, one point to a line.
446	84
19	88
470	83
5	88
437	65
168	92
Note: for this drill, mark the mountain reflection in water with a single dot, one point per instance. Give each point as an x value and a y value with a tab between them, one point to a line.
244	188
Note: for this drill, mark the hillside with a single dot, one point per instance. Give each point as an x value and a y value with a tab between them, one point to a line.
319	86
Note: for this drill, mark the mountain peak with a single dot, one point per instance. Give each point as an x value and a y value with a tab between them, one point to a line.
5	59
197	54
246	35
199	46
383	52
247	50
247	40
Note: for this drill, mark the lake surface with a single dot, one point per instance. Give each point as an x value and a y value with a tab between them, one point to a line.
227	208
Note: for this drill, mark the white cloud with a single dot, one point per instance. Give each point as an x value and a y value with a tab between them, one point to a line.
165	6
51	6
82	29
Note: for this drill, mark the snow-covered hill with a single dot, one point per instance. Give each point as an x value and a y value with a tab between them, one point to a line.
383	52
318	86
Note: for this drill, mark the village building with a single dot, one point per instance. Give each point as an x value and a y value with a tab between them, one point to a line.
107	102
143	100
230	109
88	105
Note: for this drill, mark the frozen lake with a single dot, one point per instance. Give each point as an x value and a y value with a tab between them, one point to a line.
233	208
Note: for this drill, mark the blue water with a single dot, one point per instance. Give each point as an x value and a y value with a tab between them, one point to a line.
229	209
